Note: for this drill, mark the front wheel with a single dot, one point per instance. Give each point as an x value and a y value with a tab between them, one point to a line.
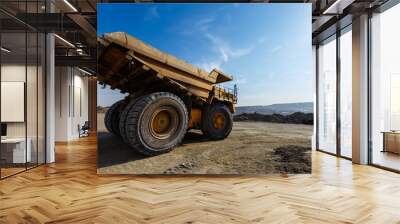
156	123
217	121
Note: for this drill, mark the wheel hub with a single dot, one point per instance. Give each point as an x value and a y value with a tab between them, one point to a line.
162	123
219	121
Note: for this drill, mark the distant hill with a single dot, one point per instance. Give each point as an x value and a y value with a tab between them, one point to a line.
284	108
294	118
101	109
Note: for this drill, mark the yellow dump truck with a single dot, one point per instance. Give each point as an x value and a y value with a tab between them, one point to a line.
166	96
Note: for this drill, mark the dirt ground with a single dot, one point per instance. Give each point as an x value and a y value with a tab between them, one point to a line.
251	148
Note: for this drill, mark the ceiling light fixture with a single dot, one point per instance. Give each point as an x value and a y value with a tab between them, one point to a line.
65	41
84	71
79	51
5	50
337	7
70	5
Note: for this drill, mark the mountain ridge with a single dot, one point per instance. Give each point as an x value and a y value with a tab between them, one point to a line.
280	108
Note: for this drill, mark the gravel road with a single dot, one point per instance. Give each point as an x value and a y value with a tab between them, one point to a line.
251	148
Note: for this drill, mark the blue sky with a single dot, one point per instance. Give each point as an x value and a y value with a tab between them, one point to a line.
265	47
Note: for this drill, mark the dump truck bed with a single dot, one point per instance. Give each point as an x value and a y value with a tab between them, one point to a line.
128	64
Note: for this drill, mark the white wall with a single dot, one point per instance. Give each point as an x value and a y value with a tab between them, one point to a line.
12	73
62	82
80	109
71	102
17	73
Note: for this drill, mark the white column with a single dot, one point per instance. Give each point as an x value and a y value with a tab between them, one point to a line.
50	91
360	90
50	98
314	64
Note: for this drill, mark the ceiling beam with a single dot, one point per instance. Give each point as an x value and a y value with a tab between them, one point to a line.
84	24
81	61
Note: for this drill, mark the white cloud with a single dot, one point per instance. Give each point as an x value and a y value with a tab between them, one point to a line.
270	75
276	49
240	80
235	53
152	13
203	24
214	39
224	54
209	66
191	27
261	98
261	40
225	50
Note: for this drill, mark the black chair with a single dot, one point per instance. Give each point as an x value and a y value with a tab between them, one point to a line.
84	130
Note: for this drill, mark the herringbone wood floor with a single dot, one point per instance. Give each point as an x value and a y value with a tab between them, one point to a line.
70	191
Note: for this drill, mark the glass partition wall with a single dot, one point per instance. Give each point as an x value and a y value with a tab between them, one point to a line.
345	61
334	71
13	84
334	82
22	77
327	95
385	89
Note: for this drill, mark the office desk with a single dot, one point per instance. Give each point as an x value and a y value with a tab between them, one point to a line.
391	141
13	150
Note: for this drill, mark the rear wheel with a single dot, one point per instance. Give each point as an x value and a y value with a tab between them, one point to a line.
156	123
217	121
111	119
123	117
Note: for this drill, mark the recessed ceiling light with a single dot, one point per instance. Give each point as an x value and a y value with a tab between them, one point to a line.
5	50
70	5
64	40
84	71
337	7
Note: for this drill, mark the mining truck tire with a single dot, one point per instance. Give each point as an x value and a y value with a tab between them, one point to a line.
217	121
123	117
111	119
156	123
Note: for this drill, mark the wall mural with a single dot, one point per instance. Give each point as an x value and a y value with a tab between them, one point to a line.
204	88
